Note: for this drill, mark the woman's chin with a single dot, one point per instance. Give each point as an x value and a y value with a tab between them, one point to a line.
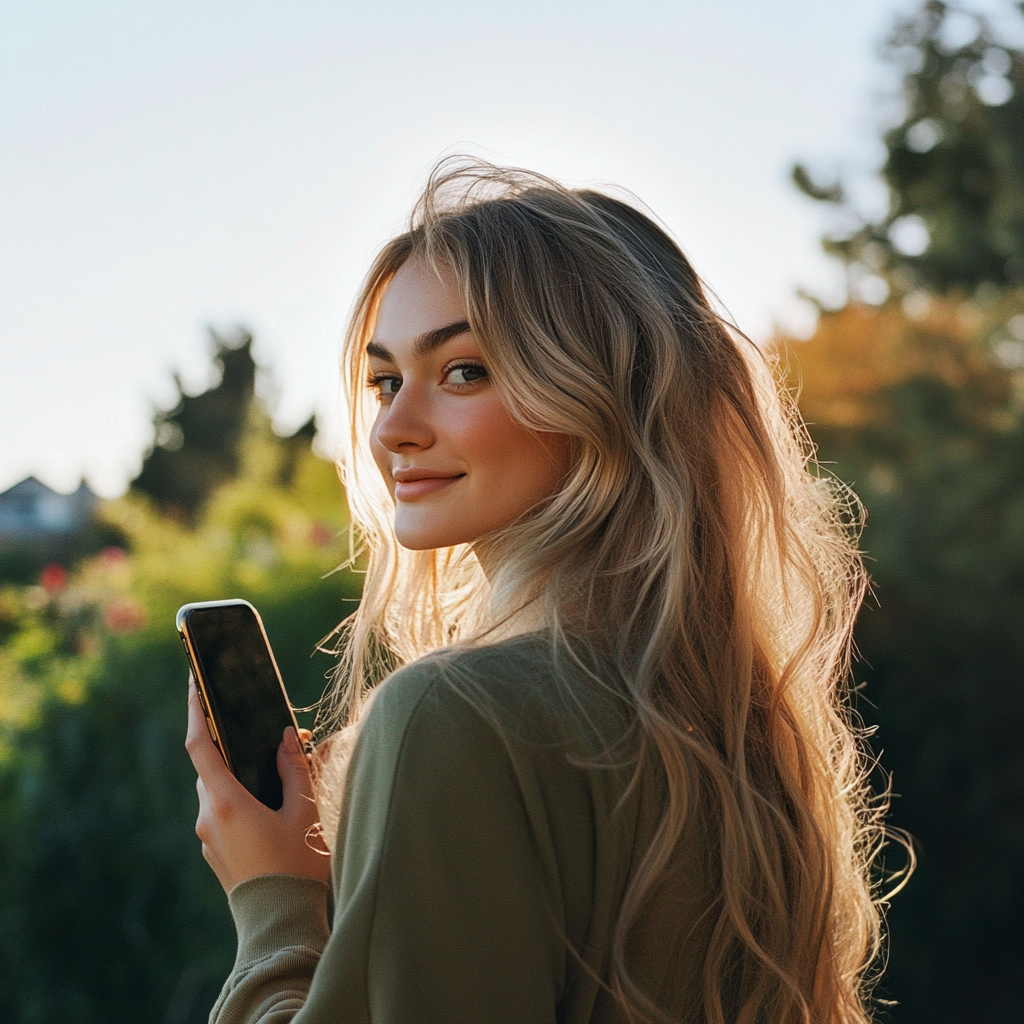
428	540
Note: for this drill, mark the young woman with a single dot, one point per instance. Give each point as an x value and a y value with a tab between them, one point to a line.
607	772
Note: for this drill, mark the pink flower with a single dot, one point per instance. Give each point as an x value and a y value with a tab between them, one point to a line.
124	615
321	535
113	556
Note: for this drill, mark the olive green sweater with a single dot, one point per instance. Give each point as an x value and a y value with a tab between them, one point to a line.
480	865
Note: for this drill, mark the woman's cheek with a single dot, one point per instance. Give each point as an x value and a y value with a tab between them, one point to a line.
382	459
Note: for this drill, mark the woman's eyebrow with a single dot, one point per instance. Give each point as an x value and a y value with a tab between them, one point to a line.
425	343
436	338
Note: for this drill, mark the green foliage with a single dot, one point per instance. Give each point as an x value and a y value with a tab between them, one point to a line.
107	910
918	402
954	166
942	656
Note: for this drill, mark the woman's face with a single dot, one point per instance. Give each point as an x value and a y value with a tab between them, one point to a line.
457	464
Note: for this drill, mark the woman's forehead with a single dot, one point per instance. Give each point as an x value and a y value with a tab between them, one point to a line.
417	300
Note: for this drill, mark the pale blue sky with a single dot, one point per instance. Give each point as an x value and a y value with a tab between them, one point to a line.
164	166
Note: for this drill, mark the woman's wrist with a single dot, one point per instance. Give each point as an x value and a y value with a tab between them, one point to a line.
277	911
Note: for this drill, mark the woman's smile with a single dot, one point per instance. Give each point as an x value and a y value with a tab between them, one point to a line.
413	484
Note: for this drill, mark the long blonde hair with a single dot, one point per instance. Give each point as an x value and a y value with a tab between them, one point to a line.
690	541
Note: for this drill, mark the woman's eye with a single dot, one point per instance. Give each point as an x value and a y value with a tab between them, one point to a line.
386	387
466	374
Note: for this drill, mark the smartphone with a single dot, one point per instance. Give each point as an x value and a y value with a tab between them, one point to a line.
240	689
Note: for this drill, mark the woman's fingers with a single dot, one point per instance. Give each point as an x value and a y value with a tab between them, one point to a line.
204	820
198	742
217	809
293	767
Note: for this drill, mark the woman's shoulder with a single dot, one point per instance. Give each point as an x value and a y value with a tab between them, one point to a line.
525	687
473	725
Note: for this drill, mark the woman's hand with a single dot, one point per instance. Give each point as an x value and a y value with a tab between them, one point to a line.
241	837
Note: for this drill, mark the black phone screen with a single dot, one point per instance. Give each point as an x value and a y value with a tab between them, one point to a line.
245	693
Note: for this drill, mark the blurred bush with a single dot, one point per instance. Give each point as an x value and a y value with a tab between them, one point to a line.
107	910
914	394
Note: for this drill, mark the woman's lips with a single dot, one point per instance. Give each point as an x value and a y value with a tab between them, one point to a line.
410	490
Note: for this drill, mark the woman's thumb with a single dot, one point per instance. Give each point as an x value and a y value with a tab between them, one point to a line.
293	768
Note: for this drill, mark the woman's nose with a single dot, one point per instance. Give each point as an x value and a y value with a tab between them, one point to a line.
403	425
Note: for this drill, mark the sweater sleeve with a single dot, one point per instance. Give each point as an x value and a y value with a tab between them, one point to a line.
445	905
281	922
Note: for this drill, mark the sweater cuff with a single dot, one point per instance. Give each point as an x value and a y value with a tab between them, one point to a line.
272	912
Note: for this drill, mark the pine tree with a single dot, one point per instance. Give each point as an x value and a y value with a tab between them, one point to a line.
196	443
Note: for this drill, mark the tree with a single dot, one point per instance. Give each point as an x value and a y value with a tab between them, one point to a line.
954	164
916	398
196	443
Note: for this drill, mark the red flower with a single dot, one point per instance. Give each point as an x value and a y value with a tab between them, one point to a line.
54	577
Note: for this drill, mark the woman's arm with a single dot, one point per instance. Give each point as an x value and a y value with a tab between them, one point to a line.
275	870
444	909
282	930
447	897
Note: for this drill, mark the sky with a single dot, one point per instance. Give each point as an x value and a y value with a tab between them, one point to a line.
167	167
